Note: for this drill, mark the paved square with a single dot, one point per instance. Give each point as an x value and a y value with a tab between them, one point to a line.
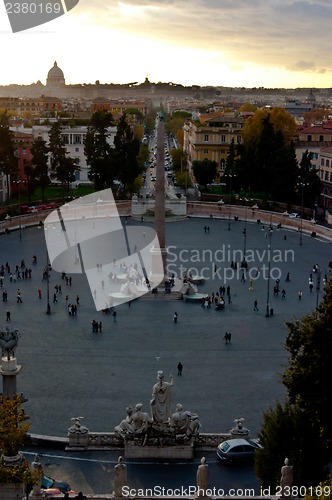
70	371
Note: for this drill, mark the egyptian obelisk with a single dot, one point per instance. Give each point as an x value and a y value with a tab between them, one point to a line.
159	213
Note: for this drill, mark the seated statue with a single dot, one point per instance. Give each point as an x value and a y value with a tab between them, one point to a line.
135	424
184	424
122	429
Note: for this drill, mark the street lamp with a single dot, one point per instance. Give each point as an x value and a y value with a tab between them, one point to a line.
230	175
318	287
302	184
18	184
245	234
269	273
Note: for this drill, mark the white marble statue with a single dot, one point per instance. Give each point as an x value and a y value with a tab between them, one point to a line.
120	477
161	399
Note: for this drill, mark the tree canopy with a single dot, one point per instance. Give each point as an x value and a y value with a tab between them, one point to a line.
308	377
98	150
8	160
205	171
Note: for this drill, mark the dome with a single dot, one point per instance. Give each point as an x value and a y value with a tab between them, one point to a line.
55	76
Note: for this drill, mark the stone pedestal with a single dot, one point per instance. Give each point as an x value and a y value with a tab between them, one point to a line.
78	441
9	370
178	452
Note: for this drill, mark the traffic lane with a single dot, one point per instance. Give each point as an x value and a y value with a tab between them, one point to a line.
92	472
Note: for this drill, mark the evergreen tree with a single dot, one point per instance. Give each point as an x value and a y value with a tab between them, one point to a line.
39	162
205	171
8	160
62	167
287	432
98	151
308	377
126	149
309	180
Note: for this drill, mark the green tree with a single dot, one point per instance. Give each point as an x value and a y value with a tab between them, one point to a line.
8	160
179	159
39	162
126	149
266	163
205	171
13	425
308	376
309	180
63	167
287	432
98	151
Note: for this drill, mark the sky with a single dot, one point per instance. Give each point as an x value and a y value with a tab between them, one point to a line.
232	43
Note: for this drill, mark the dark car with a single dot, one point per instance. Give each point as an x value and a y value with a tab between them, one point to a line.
49	482
237	450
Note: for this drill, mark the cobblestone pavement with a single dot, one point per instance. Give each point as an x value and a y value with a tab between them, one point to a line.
69	371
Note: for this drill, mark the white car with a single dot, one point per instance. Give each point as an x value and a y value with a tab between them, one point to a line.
294	216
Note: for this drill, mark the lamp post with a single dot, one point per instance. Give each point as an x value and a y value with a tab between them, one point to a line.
302	184
318	287
230	175
268	276
48	307
245	235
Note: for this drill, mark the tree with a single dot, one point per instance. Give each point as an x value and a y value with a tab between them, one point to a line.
63	167
287	432
309	179
179	159
126	149
8	160
308	376
39	162
205	171
98	150
280	120
13	426
266	163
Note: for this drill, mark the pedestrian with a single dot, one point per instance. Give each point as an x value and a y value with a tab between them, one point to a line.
67	298
19	298
114	315
54	298
180	368
311	286
256	305
300	294
175	317
39	293
283	293
287	277
7	315
94	326
77	300
4	296
227	337
100	326
229	299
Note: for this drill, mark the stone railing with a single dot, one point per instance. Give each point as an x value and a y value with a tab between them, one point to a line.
231	212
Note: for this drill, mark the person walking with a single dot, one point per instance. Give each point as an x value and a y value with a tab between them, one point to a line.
19	297
300	294
7	315
39	293
180	368
175	317
256	305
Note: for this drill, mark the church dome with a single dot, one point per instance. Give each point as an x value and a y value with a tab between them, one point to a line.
55	76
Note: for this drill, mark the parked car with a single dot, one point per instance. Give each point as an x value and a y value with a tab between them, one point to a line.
49	483
294	215
237	450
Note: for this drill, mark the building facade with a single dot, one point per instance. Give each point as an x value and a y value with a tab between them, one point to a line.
210	138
